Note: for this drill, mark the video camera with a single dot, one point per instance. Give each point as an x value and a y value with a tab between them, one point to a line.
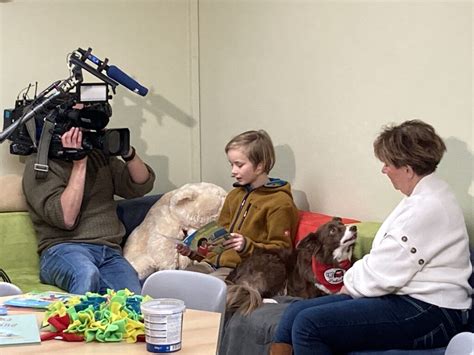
37	124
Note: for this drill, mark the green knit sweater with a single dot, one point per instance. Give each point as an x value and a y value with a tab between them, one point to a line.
97	222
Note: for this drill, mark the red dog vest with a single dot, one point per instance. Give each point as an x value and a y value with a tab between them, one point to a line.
332	278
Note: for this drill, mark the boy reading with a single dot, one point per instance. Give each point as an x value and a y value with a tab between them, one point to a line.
259	212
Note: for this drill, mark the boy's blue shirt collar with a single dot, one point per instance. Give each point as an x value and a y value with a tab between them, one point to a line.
271	183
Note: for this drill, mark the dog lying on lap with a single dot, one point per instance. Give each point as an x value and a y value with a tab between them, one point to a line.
314	268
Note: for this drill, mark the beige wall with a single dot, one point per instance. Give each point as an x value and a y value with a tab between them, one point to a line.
154	41
321	77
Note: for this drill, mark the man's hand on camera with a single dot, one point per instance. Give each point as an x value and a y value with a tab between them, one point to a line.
72	138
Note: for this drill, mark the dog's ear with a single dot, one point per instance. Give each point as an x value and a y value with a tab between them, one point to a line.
317	249
337	219
311	243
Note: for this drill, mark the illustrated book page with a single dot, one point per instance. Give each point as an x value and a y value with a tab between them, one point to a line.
207	238
37	299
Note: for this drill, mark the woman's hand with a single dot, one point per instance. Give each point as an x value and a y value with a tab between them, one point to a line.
343	291
184	250
236	242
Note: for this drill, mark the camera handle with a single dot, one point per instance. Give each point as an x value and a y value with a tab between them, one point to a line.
78	63
62	87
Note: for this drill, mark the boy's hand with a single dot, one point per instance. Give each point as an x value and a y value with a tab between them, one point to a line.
183	249
236	242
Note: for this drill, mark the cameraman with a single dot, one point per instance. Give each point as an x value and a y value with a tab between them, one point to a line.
74	215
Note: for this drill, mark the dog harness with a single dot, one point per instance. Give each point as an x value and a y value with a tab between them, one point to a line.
328	278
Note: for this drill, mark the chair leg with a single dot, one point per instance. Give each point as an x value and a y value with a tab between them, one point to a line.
280	349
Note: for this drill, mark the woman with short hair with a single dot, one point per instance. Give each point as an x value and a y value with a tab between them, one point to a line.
411	291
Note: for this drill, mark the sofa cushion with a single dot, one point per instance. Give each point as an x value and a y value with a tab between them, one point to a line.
365	235
18	243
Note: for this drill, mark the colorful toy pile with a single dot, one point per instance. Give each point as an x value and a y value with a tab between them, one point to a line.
113	317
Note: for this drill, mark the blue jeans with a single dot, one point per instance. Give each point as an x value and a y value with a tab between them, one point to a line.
339	324
81	267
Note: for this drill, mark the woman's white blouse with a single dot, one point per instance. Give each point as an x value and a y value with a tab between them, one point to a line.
421	250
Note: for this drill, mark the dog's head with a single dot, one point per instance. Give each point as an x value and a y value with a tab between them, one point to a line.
331	243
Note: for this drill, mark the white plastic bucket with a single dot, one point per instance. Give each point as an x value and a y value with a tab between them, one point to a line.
163	318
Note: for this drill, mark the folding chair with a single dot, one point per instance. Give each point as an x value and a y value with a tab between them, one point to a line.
462	343
8	289
198	291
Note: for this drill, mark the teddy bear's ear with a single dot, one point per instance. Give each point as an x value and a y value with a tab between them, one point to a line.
183	196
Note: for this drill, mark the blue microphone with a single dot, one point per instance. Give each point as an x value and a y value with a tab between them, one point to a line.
118	75
114	73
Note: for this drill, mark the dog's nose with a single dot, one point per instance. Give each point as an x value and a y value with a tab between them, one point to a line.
353	228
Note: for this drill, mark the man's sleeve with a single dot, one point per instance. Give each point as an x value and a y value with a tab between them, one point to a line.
44	195
123	183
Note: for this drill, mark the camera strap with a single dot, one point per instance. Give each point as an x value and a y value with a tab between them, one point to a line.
41	165
31	127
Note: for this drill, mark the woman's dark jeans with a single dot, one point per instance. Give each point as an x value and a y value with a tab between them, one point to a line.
338	324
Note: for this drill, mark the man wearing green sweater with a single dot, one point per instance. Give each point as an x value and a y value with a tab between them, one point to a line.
74	215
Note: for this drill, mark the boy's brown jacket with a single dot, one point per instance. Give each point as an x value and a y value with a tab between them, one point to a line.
267	217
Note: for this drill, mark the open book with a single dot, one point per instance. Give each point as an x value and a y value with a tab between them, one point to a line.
19	329
37	299
207	238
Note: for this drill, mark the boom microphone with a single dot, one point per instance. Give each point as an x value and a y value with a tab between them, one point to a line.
114	73
119	76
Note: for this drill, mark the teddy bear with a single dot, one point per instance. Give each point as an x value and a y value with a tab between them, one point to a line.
152	245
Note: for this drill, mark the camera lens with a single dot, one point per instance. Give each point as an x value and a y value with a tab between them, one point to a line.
113	142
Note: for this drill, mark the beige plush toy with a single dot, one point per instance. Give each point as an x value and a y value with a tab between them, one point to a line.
152	246
13	199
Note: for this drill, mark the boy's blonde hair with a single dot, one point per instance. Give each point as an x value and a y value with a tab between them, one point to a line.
258	147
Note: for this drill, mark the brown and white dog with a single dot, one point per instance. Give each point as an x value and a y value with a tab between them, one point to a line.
314	268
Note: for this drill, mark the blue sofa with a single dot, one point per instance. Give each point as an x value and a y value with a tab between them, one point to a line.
132	211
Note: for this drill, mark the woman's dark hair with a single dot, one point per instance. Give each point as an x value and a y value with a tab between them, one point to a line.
413	143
